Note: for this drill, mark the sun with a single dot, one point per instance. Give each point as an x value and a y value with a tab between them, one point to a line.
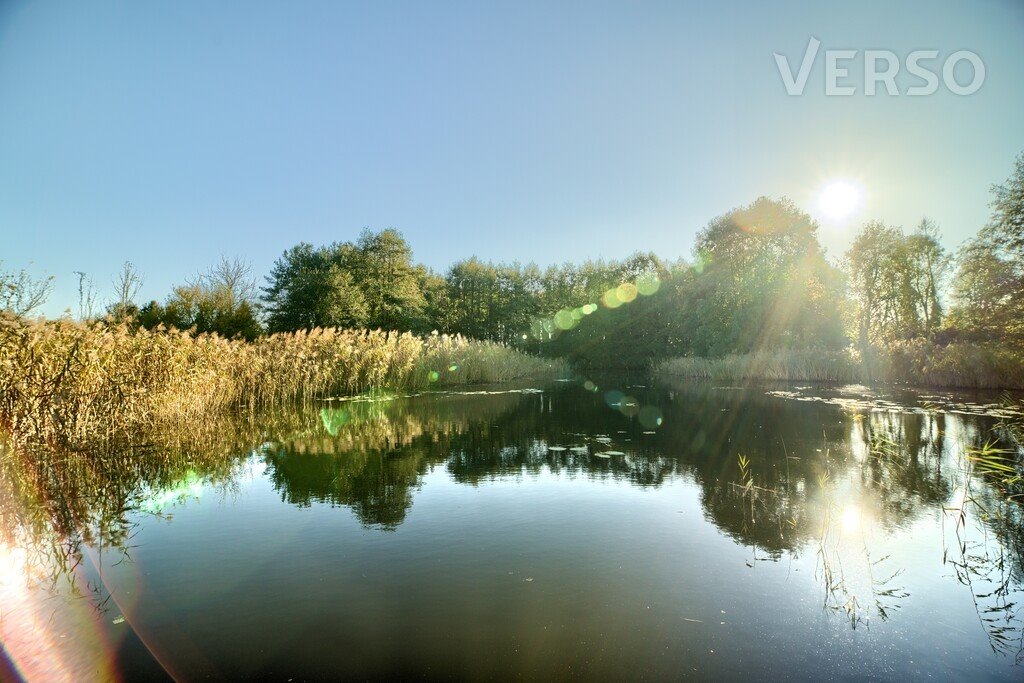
839	198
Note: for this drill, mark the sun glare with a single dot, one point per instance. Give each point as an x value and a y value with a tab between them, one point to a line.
850	518
838	199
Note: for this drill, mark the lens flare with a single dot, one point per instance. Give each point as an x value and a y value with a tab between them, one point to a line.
611	299
647	284
626	292
35	630
564	320
650	417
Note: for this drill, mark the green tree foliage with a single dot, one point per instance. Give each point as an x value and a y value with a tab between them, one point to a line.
219	301
895	281
435	301
762	283
202	310
928	266
1006	228
758	281
990	283
622	327
988	290
489	301
313	287
381	267
984	293
372	283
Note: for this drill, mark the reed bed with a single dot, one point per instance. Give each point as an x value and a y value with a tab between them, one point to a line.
67	383
803	365
916	362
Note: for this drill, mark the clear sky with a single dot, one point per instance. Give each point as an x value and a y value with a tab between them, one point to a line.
168	133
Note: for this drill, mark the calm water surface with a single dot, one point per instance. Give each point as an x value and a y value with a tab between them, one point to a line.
642	530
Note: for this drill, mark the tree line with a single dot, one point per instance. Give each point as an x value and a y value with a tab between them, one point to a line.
758	279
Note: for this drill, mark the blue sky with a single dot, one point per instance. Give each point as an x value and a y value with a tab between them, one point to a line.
168	133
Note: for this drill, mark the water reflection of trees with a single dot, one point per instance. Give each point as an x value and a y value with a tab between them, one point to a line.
370	455
373	457
806	461
894	465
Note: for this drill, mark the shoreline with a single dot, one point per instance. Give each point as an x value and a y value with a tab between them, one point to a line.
916	364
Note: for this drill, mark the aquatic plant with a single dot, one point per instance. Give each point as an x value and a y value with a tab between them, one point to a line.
984	567
66	383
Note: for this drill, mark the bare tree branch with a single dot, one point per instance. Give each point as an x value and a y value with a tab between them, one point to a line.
21	294
86	296
127	284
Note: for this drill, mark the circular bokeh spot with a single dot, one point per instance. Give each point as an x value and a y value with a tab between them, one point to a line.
629	406
626	292
614	398
647	284
650	417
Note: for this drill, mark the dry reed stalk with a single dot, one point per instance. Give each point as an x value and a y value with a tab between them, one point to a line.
67	383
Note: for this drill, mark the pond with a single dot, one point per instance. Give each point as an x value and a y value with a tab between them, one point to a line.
612	529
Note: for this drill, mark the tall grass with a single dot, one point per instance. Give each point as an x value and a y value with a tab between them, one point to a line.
67	383
917	362
820	365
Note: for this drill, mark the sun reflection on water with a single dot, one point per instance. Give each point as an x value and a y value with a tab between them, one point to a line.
850	519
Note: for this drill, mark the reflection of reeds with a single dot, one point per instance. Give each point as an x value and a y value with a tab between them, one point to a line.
66	383
839	595
367	454
749	491
995	509
987	572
